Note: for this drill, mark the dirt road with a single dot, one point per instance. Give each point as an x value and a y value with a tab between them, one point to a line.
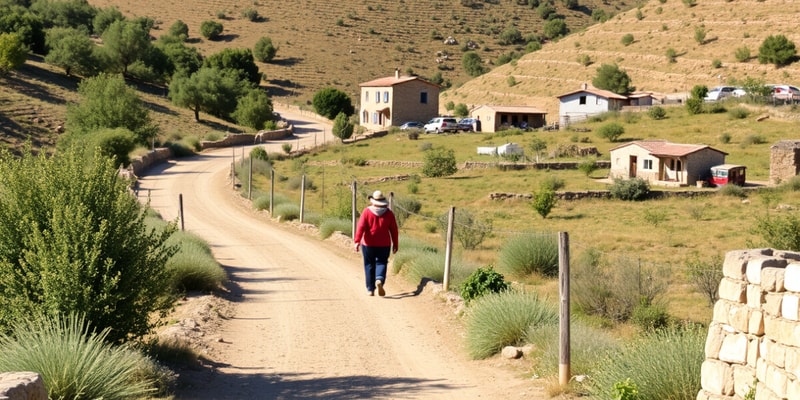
302	326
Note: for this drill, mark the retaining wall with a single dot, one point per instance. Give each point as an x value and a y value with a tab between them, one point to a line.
248	138
754	337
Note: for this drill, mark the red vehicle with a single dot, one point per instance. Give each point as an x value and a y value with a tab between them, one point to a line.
727	173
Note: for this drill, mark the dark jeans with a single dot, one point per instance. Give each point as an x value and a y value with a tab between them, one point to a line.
375	261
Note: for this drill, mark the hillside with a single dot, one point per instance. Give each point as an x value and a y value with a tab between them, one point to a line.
343	43
729	25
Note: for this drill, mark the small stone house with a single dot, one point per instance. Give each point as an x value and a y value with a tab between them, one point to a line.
578	105
664	163
394	100
784	161
495	118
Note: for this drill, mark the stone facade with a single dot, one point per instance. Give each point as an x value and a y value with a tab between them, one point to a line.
784	161
754	338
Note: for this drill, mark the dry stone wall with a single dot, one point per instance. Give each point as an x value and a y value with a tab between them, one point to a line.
754	338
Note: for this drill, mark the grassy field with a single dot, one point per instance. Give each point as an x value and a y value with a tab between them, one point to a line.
684	228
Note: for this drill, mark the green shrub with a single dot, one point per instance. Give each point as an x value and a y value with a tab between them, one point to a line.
782	232
633	189
468	230
287	211
627	39
417	264
73	361
552	182
657	113
194	267
530	253
296	182
614	289
481	282
792	184
439	162
742	54
251	14
259	153
213	136
211	30
753	140
587	347
716	63
694	106
725	138
732	190
544	201
502	319
664	364
83	247
705	276
588	167
330	225
404	207
650	317
611	131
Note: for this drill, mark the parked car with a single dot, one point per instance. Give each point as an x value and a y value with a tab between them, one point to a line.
412	125
721	92
785	92
467	124
441	124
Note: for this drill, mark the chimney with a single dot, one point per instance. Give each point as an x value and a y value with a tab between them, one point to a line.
584	86
397	73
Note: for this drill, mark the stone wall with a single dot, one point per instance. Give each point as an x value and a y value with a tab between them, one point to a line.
22	386
784	161
754	338
157	156
248	138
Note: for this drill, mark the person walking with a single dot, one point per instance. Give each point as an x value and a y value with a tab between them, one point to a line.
376	235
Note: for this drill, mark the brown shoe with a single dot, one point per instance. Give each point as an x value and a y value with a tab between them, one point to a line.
379	285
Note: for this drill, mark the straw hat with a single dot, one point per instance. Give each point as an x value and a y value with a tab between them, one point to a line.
378	199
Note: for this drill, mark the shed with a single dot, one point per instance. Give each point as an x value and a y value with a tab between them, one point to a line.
664	163
495	118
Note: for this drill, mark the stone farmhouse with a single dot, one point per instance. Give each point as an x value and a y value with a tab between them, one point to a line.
664	163
494	118
394	100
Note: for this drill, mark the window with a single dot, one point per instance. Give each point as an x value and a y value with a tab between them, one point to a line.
386	96
366	96
582	100
648	164
423	97
378	96
374	118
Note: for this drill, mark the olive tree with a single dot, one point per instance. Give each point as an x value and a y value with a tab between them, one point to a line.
342	127
12	52
776	49
611	77
329	102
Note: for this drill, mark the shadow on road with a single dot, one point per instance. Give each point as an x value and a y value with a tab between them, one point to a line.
305	386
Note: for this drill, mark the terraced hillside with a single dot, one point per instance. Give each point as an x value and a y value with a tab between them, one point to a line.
343	43
656	26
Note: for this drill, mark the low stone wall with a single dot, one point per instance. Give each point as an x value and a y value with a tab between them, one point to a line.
602	194
754	337
530	165
22	386
248	138
157	156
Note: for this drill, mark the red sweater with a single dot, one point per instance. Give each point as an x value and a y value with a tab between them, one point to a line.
376	227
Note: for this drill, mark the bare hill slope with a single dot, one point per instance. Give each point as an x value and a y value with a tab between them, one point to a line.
343	43
729	25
